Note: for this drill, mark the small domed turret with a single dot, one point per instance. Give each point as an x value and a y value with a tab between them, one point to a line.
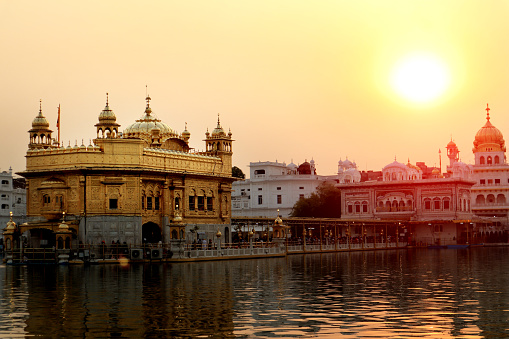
186	135
40	134
218	131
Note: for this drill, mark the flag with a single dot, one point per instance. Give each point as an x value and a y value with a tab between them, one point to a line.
58	118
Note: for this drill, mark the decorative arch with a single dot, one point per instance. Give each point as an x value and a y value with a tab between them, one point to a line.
480	199
151	233
490	199
501	199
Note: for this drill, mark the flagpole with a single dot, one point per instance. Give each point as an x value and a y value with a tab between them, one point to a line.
58	124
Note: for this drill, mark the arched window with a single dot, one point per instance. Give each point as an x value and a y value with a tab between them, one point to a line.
490	199
357	207
201	201
437	204
427	204
497	159
177	203
489	161
501	199
210	201
59	202
46	200
480	200
481	160
364	207
447	204
192	200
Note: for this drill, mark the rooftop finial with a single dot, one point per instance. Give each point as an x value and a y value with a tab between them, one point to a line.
218	124
487	112
107	99
40	107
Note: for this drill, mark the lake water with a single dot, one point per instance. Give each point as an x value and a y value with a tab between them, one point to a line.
376	294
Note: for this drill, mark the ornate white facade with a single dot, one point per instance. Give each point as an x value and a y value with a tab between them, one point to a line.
490	194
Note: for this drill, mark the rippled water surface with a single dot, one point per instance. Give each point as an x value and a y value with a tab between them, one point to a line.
397	293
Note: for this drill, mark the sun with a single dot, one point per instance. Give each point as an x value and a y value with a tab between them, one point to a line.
420	78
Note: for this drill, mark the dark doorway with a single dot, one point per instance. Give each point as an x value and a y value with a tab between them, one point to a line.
41	238
150	233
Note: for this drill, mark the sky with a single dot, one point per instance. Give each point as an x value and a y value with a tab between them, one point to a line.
293	80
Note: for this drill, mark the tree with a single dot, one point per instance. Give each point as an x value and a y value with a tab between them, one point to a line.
324	203
237	173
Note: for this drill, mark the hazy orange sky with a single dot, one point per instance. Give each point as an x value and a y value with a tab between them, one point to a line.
292	79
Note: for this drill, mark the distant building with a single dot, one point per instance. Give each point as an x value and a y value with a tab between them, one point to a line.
274	185
490	172
144	185
433	211
12	198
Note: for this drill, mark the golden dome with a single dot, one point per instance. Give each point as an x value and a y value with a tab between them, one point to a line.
489	138
143	127
107	114
186	134
412	166
218	131
435	171
40	121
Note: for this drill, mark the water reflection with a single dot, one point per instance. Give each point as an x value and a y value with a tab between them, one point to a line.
400	293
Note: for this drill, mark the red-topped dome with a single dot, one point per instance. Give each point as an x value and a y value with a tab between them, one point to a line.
489	138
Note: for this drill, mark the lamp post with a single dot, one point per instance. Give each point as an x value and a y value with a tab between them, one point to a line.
250	238
218	235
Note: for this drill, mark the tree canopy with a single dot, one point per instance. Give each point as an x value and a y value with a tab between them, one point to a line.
237	173
325	202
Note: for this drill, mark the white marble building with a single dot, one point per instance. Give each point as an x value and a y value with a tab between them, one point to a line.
12	199
274	185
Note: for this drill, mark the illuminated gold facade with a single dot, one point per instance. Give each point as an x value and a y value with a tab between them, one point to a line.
142	185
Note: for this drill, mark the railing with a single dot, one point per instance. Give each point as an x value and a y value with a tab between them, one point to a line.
395	209
180	250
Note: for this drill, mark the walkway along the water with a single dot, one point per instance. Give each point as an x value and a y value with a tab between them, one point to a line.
122	253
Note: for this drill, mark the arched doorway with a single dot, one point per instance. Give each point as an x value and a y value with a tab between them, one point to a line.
41	238
227	235
151	233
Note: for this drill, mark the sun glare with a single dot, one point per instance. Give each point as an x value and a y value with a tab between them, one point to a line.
420	78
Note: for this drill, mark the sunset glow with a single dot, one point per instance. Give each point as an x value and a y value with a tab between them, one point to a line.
420	78
325	81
